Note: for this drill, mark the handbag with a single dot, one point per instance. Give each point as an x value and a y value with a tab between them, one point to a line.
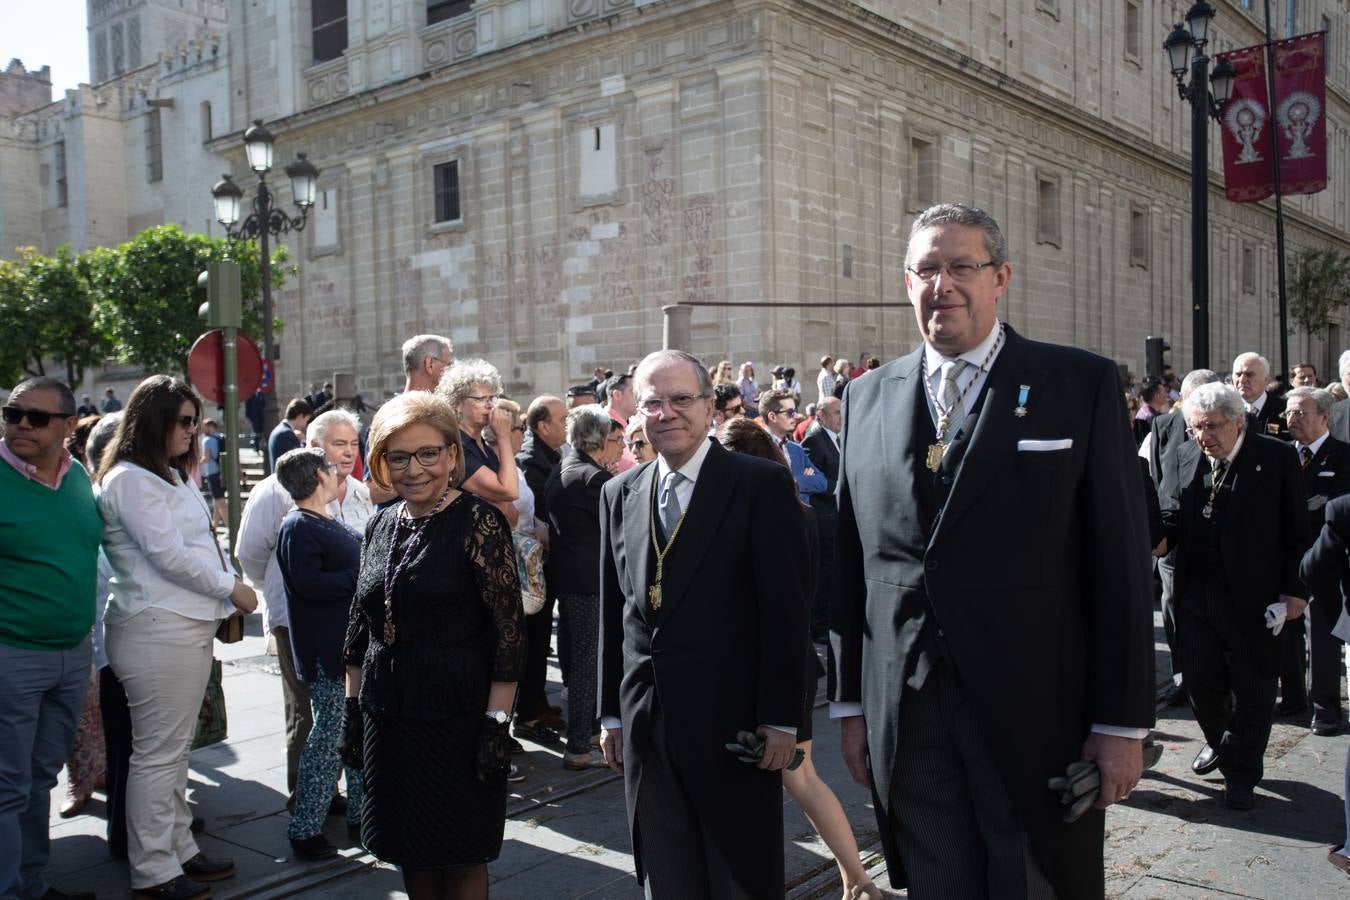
211	721
530	571
231	629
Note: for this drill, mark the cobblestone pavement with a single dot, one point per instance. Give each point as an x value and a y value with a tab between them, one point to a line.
566	836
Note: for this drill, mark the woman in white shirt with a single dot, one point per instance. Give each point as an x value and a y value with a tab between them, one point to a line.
170	589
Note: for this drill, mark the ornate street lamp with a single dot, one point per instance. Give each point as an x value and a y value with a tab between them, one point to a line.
1207	95
265	222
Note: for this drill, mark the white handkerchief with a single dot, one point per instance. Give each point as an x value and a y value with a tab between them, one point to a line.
1042	446
1275	616
1326	474
1342	626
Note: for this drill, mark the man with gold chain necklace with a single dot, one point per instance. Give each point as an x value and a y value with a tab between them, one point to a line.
697	644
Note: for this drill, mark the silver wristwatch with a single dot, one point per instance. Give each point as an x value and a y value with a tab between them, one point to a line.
497	715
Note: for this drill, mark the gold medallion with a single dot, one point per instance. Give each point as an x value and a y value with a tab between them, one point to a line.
935	452
654	596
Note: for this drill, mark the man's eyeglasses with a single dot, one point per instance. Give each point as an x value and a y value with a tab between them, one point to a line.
736	410
1290	415
425	456
790	413
680	402
636	445
957	271
38	418
187	423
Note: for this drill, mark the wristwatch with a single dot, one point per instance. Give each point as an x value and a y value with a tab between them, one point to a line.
497	715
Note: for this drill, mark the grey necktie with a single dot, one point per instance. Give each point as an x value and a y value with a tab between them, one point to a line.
950	396
668	503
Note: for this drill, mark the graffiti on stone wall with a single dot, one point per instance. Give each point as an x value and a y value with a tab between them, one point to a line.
407	295
530	272
657	190
699	215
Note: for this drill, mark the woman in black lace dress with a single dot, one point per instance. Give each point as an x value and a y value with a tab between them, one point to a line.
434	649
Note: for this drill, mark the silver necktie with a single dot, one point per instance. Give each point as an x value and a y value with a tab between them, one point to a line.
951	397
669	503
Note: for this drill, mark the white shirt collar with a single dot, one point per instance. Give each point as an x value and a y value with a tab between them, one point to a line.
1237	445
1317	444
690	469
1256	405
975	356
834	435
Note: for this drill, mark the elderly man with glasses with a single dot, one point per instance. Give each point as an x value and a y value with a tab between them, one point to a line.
778	411
49	537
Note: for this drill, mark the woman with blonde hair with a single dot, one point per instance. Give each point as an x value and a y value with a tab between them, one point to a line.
435	645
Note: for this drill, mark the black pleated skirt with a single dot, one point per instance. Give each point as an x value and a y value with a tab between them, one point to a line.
424	805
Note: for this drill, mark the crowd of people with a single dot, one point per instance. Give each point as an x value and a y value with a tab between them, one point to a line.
708	547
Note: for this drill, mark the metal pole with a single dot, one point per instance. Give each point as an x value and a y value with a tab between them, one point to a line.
271	414
1199	97
1279	202
230	467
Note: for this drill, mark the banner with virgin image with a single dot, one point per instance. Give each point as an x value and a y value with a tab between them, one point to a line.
1297	119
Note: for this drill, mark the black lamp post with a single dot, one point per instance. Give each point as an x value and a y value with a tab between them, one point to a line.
1207	95
266	221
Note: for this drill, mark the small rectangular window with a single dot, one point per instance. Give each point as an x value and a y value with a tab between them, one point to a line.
599	161
1132	36
1248	269
328	20
154	155
1047	210
62	191
1139	236
923	173
441	10
445	178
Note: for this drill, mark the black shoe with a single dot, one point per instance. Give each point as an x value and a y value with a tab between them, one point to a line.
181	888
354	834
203	868
514	774
1326	729
1291	708
514	746
1174	696
1236	796
313	848
536	732
1206	761
338	806
54	894
198	825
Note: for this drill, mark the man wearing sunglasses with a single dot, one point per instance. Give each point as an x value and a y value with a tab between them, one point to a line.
49	535
778	410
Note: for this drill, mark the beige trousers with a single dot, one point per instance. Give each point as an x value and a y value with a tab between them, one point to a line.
163	661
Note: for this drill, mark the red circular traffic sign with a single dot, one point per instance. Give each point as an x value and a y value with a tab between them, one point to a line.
206	366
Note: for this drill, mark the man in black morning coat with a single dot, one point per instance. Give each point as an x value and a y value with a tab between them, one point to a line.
711	648
993	618
1239	521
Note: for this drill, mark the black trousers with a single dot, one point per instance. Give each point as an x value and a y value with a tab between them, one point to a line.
824	587
1218	665
1294	662
952	817
1326	661
680	861
112	705
533	693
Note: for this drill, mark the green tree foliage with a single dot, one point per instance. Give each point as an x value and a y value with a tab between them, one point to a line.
18	327
46	316
1319	289
147	299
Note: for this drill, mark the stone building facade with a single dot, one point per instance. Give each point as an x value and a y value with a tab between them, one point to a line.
609	158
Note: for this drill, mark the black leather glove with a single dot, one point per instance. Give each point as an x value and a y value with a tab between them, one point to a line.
352	745
494	752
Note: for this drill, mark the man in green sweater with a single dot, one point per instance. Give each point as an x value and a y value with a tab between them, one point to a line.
49	536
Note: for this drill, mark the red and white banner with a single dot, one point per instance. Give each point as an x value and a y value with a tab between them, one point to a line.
1300	113
1298	121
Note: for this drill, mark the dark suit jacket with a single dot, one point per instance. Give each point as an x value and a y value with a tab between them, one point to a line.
1325	478
1263	537
1169	435
1037	570
1325	567
281	440
723	654
536	461
572	495
1269	421
1340	421
824	456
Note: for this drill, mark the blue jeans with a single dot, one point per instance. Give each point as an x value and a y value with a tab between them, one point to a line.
41	693
319	764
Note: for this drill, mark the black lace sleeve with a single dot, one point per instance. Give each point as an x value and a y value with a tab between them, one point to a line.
358	635
492	556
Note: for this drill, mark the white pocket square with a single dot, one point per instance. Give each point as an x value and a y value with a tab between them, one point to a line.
1042	446
1326	474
